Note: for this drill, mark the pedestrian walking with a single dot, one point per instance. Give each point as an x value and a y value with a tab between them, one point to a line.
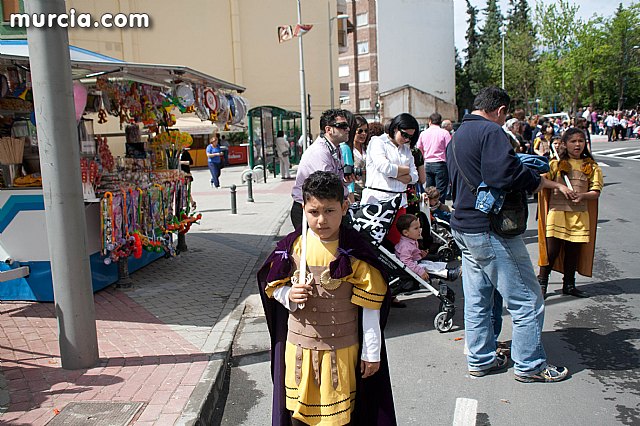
215	157
481	152
328	356
567	228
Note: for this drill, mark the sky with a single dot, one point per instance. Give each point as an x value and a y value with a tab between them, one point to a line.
587	9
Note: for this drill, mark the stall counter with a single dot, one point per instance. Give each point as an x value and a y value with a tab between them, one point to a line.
23	239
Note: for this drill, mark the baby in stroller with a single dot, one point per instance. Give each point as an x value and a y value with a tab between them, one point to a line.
408	252
436	207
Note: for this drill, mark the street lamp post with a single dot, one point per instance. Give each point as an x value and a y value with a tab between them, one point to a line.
331	19
502	33
303	88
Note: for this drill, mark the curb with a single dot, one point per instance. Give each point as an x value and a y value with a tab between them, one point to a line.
200	409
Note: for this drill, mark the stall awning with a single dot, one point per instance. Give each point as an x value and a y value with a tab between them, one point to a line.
87	64
194	126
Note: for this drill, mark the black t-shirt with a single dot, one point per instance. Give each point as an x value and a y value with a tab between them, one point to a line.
185	156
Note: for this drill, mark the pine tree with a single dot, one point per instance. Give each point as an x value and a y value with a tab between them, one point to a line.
520	54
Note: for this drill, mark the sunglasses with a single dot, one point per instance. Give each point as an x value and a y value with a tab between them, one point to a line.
405	135
342	125
361	131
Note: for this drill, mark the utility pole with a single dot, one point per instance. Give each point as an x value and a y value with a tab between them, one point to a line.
61	185
303	87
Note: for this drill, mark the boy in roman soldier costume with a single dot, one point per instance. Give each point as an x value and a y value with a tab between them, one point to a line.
567	227
328	357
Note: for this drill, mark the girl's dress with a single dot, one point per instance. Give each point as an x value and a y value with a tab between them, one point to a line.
576	224
327	403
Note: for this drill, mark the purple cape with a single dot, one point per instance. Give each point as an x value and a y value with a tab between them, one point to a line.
374	399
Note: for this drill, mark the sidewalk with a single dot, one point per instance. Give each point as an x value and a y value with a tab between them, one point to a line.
163	344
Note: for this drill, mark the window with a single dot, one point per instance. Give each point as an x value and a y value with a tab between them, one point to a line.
343	71
363	76
362	19
344	100
363	47
365	104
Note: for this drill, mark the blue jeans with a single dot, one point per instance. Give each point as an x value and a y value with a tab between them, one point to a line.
490	262
214	168
438	176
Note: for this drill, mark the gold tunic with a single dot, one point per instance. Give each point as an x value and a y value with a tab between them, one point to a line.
572	225
328	403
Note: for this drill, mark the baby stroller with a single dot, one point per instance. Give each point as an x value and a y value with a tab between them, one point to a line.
373	221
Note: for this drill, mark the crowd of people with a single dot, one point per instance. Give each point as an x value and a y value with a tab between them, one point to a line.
324	290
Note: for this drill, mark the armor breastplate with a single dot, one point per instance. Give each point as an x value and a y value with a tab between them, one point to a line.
329	321
580	183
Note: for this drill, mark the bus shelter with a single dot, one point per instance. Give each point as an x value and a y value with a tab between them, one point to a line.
264	122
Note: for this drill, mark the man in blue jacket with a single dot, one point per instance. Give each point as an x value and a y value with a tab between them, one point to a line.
481	152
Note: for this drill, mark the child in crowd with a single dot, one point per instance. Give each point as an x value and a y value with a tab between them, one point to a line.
567	227
408	252
438	208
323	374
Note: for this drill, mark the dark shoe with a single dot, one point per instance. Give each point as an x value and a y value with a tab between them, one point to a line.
544	283
573	291
454	273
501	364
550	374
569	288
395	303
503	348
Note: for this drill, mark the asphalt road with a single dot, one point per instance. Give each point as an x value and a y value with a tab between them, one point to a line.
598	339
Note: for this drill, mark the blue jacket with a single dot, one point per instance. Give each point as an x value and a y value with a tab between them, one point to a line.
490	200
485	154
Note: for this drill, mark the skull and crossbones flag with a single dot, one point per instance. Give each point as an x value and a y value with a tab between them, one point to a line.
373	221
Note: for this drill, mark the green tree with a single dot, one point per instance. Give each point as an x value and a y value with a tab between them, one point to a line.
520	57
485	69
570	49
623	40
464	91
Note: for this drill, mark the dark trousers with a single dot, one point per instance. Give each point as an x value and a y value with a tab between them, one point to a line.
214	168
296	215
438	176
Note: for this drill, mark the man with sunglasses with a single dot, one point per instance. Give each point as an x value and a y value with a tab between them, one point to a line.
323	154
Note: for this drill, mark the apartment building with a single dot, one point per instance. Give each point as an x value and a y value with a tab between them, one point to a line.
400	57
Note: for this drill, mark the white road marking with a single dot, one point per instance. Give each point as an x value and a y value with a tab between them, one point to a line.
466	412
606	151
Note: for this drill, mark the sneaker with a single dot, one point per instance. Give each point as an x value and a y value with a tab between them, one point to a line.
501	364
549	374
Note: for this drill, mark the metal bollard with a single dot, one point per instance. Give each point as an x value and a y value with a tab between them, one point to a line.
124	280
234	205
250	190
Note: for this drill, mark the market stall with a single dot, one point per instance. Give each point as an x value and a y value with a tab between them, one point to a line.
136	201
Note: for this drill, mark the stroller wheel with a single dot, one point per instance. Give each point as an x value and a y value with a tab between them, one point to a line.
441	323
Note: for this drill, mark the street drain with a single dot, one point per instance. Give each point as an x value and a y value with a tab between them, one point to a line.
97	413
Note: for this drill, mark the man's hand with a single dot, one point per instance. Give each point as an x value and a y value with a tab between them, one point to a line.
425	276
368	369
